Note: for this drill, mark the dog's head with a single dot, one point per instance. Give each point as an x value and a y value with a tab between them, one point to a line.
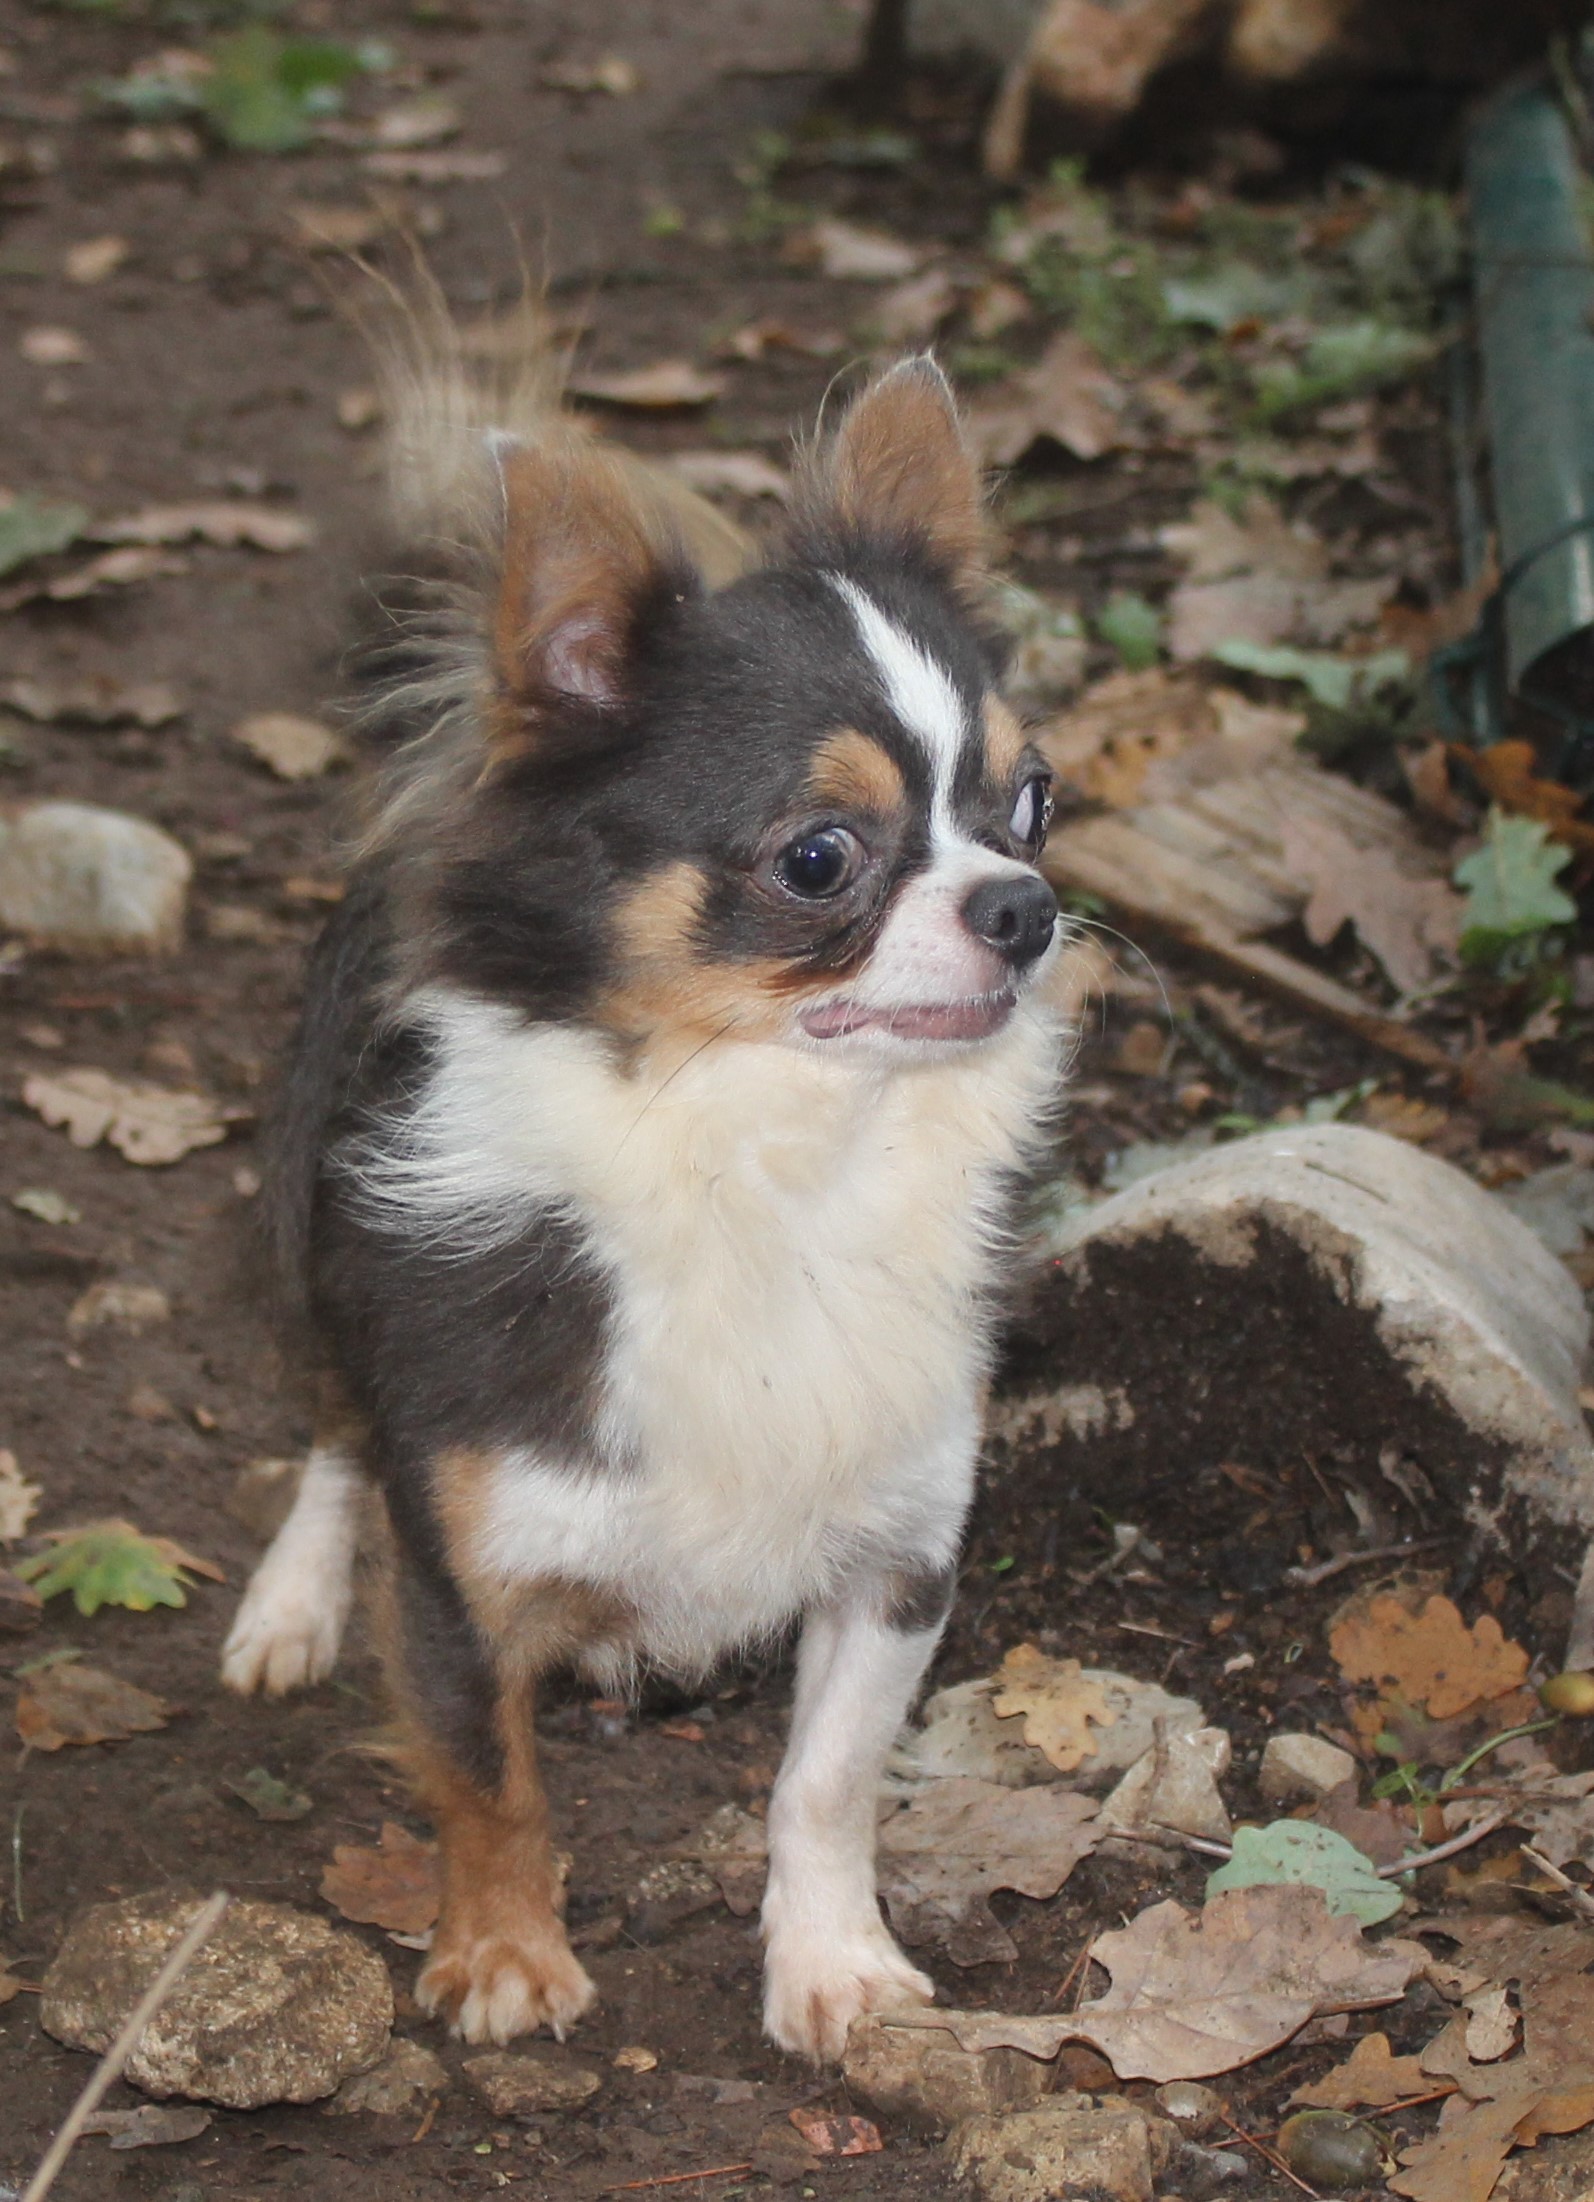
788	808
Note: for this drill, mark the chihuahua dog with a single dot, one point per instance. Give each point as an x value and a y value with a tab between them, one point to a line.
648	1163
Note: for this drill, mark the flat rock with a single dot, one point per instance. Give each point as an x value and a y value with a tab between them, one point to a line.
1068	2145
963	1735
75	877
1317	1288
923	2077
406	2075
1174	1786
278	2006
514	2086
1297	1767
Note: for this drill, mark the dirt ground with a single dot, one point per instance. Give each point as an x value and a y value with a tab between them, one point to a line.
215	364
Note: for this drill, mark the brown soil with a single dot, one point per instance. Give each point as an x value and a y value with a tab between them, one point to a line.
216	362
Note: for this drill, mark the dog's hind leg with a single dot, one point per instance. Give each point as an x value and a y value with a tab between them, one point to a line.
287	1630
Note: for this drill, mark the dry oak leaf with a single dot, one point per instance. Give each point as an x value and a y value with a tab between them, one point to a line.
19	1499
1371	2078
1069	396
1057	1705
667	385
227	521
1559	1814
1194	1994
398	1885
1432	1658
150	1125
292	747
67	1702
9	1984
1509	772
958	1840
1410	921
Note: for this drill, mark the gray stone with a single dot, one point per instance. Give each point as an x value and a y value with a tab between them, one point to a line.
1192	2107
1067	2145
406	2075
518	2086
963	1735
277	2007
1445	1329
920	2075
1175	1785
76	877
1303	1767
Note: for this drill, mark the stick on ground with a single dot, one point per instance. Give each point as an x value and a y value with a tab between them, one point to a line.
109	2068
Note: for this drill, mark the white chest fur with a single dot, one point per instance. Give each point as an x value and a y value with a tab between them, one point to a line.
796	1252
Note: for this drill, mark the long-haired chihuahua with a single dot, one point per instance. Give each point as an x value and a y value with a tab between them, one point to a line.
647	1166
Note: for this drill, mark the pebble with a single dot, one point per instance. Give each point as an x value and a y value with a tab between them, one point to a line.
278	2006
83	879
518	2086
407	2074
1176	1787
1069	2144
920	2075
1296	1767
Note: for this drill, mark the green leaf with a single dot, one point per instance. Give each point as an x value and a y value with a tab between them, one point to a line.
1318	1857
265	94
1335	682
110	1563
32	528
1134	629
1510	884
268	1798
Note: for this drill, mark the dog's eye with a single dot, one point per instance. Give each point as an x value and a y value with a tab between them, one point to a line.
1032	813
820	865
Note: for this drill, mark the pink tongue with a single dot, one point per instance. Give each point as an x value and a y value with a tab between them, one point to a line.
970	1020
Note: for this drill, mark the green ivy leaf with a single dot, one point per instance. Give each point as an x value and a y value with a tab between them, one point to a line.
1299	1851
265	94
1511	890
1134	629
110	1563
267	1797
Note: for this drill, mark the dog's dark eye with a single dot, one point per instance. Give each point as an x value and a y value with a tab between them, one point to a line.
820	864
1032	813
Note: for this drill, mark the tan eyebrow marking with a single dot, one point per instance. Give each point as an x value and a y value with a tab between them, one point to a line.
853	770
1005	741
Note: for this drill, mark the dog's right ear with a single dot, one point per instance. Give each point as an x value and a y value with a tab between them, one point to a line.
898	466
583	560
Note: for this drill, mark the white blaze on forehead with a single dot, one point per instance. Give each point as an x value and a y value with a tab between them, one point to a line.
918	691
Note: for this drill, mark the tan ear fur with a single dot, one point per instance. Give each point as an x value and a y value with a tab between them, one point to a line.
581	549
898	465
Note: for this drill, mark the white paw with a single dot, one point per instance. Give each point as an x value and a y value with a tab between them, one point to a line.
285	1635
815	1986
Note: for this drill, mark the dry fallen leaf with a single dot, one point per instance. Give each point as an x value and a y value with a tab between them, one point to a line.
1196	1994
9	1984
95	259
96	701
436	168
1559	1814
1259	579
742	473
151	2125
1509	772
1410	921
1371	2078
397	1885
227	521
112	569
913	311
115	1303
1431	1657
19	1499
21	1607
426	119
849	254
336	227
1106	743
294	748
958	1840
67	1702
1057	1705
1069	395
52	347
150	1125
612	73
664	387
835	2136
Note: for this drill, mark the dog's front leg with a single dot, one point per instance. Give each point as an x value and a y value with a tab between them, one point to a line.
829	1954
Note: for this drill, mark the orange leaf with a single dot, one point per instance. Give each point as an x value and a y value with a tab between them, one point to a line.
1431	1657
68	1703
398	1885
836	2136
1509	773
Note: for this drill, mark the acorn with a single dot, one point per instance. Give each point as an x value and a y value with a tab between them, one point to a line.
1572	1692
1330	2150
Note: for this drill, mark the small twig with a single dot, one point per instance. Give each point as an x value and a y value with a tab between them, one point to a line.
1463	1841
1581	1899
1145	1628
427	2123
16	1862
665	2179
109	2068
1262	2149
1074	1971
1307	1578
1411	2102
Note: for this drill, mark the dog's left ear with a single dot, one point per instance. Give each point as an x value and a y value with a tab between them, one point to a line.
898	466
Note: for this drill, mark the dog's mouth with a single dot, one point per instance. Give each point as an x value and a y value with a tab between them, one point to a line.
977	1017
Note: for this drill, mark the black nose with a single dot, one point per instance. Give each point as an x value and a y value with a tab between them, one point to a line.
1015	916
